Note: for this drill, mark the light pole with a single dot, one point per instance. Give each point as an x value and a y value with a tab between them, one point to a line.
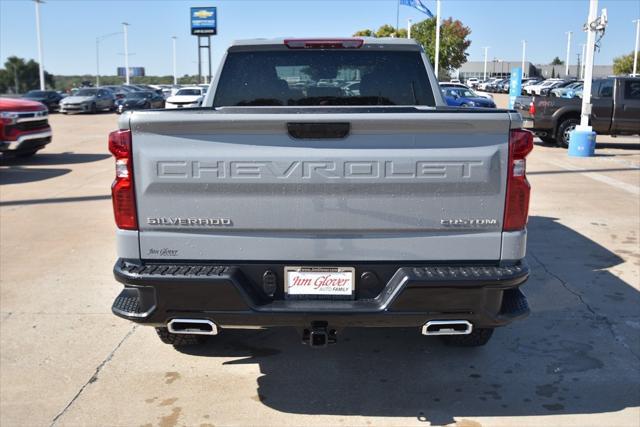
588	66
437	61
584	60
566	68
40	64
524	50
98	40
409	28
486	49
175	73
635	51
126	52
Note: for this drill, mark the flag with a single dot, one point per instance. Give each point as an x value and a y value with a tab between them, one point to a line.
417	4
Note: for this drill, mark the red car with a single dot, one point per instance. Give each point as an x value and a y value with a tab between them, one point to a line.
24	127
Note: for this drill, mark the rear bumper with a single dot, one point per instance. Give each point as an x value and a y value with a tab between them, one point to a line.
390	295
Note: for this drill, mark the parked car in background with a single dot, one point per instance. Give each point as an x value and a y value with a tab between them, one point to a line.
527	83
463	86
462	97
455	81
483	85
352	88
546	91
615	110
140	101
187	97
495	85
504	86
537	88
88	100
50	98
567	91
472	82
118	91
24	127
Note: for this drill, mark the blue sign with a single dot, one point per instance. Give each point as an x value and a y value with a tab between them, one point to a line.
515	85
133	72
204	21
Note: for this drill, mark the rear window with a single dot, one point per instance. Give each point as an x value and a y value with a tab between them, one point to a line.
323	77
189	92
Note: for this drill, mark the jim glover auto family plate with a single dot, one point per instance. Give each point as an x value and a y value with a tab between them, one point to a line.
319	281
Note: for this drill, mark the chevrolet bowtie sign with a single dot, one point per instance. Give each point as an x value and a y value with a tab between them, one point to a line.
204	21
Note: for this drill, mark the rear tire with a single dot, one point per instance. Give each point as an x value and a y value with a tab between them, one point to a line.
564	129
477	338
179	340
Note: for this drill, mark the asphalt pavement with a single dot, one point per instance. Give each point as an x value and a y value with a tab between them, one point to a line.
65	360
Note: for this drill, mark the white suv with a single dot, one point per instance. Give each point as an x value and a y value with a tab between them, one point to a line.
472	82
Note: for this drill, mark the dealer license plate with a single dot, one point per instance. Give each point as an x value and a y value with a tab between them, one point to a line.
319	281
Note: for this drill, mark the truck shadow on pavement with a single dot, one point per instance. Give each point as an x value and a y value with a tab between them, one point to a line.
18	170
50	159
578	352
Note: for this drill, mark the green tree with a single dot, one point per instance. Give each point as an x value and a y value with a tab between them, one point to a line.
557	61
453	40
384	31
623	64
19	76
364	33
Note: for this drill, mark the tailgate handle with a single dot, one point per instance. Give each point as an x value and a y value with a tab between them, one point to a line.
318	130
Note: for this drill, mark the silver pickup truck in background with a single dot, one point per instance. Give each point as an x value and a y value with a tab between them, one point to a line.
323	184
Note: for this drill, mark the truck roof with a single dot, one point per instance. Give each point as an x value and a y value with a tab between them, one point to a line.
279	41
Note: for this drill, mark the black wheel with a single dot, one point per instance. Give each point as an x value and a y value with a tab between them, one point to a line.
477	338
92	109
564	131
547	139
179	340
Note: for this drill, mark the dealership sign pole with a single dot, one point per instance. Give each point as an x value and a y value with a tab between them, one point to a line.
635	51
582	140
524	50
40	64
566	66
486	50
204	24
126	52
175	74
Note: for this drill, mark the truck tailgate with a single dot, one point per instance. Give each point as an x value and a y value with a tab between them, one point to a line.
420	185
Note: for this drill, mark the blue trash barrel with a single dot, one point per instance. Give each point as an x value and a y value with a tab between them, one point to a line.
582	143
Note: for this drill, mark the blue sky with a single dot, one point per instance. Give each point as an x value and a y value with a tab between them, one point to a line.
70	28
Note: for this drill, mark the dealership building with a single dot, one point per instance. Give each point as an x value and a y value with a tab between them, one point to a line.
497	68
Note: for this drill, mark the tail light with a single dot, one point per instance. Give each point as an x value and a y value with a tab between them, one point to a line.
518	189
532	108
122	193
323	43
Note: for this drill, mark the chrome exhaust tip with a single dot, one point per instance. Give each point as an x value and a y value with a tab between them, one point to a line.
447	327
192	326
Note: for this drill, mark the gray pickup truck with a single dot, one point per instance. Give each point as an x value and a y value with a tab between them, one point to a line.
323	184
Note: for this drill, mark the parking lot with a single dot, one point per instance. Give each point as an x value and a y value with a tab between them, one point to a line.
66	360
